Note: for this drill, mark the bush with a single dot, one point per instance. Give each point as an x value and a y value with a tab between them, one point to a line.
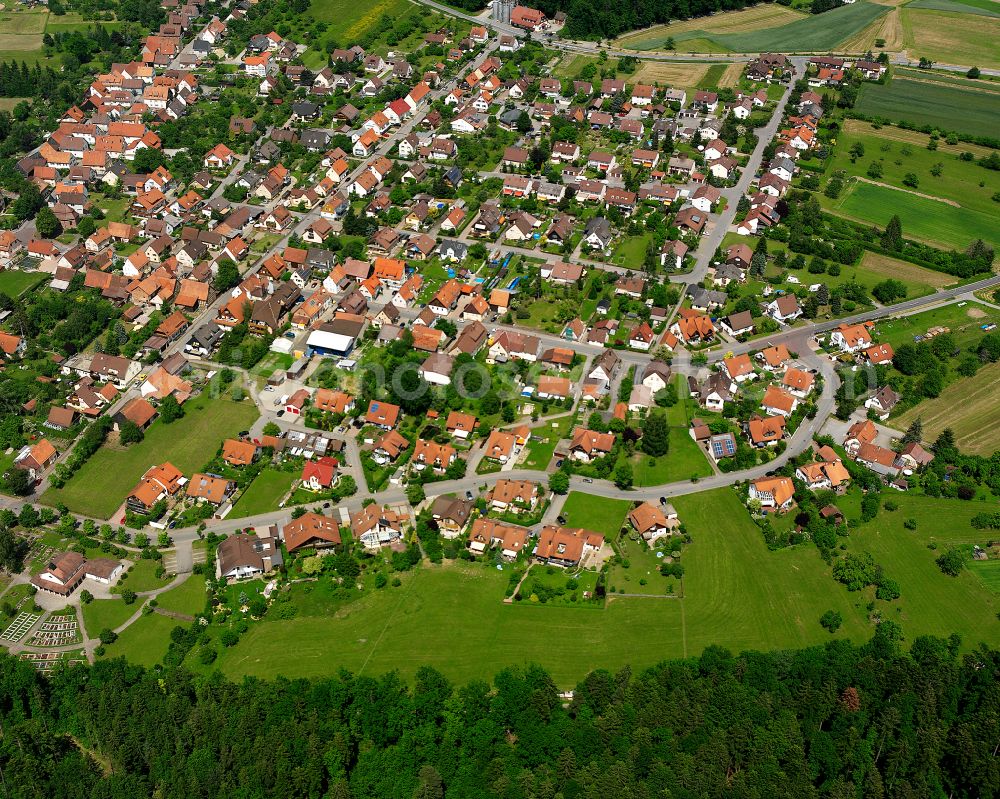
831	621
910	524
128	596
207	655
381	580
951	562
108	636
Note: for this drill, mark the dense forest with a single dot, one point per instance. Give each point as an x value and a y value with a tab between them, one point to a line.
606	19
840	721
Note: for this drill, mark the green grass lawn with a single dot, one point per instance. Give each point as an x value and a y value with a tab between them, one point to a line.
925	219
737	594
943	106
988	571
141	577
543	441
145	641
102	484
188	597
106	614
959	180
643	565
13	282
595	513
684	461
263	494
631	252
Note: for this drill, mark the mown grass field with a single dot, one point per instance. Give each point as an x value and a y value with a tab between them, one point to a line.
599	514
141	577
145	641
931	602
188	597
968	406
263	494
103	482
107	614
737	594
952	38
883	266
924	219
973	111
988	571
958	182
680	75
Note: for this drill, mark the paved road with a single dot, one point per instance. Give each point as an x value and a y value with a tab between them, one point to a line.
712	240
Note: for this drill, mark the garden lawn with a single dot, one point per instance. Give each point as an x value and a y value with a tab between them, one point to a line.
13	282
188	597
925	219
141	577
939	105
631	252
107	614
931	602
643	565
595	513
263	494
684	460
104	481
543	441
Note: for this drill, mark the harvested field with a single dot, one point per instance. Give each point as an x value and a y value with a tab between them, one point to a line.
968	406
952	38
768	15
731	76
672	74
889	28
888	267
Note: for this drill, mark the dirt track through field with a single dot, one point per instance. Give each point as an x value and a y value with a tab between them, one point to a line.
909	191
